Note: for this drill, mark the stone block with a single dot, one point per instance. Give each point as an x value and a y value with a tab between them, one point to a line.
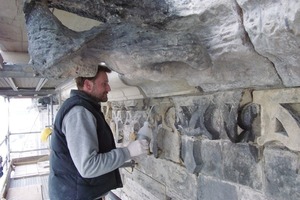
191	154
140	186
241	164
212	158
168	145
180	184
282	174
214	189
166	138
245	193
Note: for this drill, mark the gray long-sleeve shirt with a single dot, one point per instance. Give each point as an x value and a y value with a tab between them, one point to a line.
79	127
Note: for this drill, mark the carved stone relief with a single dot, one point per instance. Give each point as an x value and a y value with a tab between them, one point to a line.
280	117
217	116
180	124
167	138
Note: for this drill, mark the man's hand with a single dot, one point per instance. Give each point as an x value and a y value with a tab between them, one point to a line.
138	147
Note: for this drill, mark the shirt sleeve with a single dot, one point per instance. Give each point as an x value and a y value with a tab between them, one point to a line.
79	127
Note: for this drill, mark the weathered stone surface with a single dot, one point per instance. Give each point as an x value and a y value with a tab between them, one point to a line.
241	165
212	158
209	169
165	141
50	42
180	184
248	119
213	189
191	154
211	116
245	193
162	88
232	55
140	186
120	91
202	44
273	27
172	47
167	144
280	117
117	11
121	46
282	174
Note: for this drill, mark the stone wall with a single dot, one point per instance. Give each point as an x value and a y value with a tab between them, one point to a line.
237	144
198	68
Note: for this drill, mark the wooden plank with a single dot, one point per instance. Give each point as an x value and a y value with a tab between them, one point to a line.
30	170
32	192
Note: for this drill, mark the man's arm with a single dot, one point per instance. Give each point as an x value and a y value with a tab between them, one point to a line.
79	126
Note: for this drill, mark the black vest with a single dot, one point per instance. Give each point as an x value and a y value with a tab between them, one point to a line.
65	182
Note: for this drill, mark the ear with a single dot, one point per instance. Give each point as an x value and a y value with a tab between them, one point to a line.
88	85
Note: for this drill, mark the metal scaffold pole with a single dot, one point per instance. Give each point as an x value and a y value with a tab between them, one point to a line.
8	130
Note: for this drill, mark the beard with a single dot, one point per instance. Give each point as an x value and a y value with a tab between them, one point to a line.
102	97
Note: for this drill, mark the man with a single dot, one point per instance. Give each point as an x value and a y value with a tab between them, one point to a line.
84	160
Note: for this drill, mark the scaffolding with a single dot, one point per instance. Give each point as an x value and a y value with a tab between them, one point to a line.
21	164
26	177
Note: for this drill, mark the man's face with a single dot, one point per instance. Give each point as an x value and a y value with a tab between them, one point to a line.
99	88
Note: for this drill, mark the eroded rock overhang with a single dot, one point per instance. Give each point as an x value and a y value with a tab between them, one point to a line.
172	47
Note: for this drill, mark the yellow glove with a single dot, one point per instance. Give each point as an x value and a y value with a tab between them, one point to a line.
45	134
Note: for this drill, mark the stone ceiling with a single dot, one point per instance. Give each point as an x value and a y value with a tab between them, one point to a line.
170	47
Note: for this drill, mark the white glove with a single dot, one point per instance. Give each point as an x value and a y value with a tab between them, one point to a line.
138	147
145	132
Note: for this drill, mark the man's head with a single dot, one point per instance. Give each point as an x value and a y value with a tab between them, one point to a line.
97	86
